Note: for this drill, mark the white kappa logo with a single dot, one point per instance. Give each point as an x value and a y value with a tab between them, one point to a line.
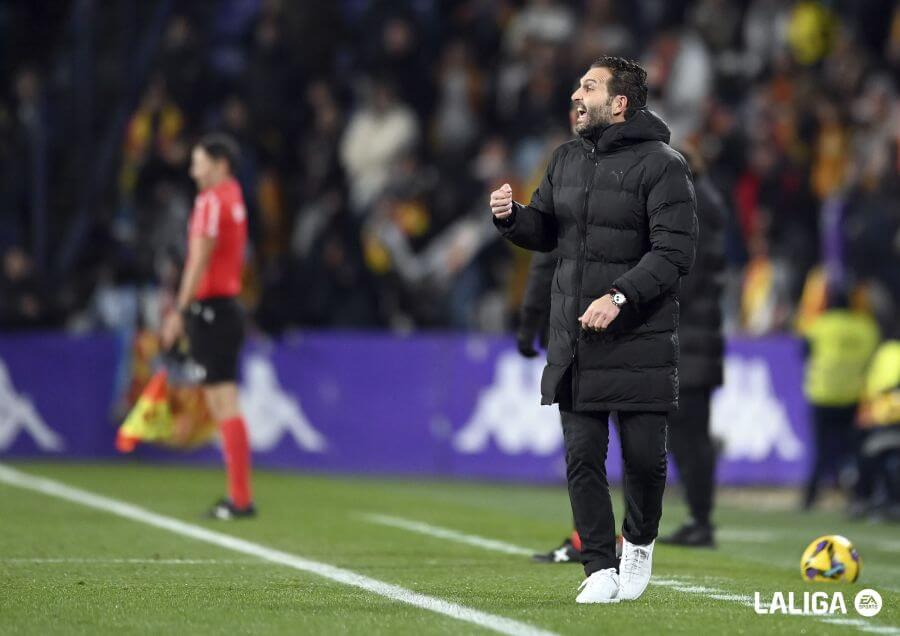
272	412
508	411
748	417
18	414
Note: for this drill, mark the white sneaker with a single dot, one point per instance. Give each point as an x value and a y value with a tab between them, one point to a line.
600	587
634	569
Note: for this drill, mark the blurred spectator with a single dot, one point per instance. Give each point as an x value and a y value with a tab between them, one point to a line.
369	132
878	485
379	135
321	188
765	33
679	76
400	57
268	82
841	344
811	31
26	170
24	301
181	63
540	21
460	96
601	32
152	142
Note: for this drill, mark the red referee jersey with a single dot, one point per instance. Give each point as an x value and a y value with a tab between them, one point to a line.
219	213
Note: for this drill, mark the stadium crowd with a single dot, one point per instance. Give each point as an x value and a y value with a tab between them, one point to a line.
371	134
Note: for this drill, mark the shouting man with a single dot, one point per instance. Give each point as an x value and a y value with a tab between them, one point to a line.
618	206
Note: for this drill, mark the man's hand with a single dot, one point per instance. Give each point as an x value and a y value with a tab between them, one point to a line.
600	314
172	328
501	202
532	327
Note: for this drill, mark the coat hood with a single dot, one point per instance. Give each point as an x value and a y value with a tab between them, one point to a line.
644	125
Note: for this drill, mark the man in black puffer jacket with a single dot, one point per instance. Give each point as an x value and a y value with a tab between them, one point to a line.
699	365
618	206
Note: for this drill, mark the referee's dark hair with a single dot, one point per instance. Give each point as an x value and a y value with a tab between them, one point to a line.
221	146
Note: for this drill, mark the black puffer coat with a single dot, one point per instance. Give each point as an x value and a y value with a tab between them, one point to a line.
620	211
700	328
534	314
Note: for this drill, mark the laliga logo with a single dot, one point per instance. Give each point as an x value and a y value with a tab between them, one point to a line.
867	603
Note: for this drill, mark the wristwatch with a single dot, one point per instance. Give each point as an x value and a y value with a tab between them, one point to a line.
618	298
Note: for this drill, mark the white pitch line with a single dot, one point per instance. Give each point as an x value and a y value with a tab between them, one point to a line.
104	561
681	586
668	582
742	598
475	540
767	536
675	584
446	533
695	589
861	625
52	488
884	544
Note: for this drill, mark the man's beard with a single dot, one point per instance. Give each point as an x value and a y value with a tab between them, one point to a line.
598	118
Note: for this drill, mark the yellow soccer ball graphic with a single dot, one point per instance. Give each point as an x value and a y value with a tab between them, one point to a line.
831	558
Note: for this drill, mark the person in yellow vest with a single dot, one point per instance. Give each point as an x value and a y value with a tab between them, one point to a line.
841	343
878	486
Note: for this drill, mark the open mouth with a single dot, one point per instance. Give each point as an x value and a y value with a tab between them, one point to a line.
581	112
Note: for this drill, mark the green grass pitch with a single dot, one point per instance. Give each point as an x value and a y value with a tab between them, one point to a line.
70	569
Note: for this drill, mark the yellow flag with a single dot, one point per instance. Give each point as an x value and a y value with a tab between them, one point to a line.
151	419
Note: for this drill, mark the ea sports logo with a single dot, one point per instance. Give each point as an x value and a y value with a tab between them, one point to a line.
867	602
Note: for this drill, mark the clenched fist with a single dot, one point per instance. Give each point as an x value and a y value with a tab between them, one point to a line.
501	202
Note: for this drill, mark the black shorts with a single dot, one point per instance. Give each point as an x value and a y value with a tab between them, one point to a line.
215	331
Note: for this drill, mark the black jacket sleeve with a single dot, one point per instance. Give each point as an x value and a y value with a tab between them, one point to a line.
534	314
672	212
703	284
537	287
533	226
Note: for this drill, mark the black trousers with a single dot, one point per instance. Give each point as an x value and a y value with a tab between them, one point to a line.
694	453
835	442
643	437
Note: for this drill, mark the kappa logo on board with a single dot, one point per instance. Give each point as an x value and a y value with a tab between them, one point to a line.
508	412
272	412
17	415
748	417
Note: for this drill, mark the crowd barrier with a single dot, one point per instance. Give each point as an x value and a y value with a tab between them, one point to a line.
426	405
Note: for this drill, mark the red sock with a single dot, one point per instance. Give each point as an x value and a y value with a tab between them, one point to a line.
576	540
237	461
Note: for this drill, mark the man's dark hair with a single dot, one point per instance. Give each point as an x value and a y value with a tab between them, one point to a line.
221	146
628	79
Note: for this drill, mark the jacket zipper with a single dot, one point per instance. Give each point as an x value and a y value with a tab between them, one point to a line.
579	272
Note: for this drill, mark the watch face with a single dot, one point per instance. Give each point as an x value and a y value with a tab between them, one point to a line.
619	298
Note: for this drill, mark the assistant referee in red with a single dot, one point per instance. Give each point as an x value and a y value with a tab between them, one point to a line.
207	309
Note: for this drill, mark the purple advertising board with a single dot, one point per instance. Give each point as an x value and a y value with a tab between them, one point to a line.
439	405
